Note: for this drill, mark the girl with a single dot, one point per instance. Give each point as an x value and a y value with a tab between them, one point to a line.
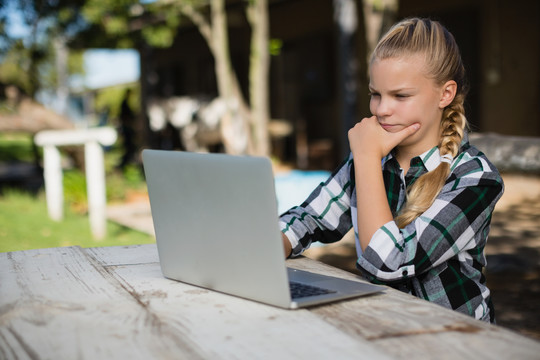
417	194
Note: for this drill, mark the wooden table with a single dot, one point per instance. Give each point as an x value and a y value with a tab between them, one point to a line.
114	303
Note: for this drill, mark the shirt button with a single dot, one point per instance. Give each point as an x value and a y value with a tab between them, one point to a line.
405	273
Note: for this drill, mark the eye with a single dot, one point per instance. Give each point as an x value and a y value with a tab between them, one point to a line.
373	94
402	96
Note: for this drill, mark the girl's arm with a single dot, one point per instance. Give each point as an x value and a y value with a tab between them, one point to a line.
324	216
373	210
369	144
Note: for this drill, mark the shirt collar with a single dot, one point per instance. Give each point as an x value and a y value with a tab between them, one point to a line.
431	158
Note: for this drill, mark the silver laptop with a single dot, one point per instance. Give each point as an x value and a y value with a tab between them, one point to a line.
215	219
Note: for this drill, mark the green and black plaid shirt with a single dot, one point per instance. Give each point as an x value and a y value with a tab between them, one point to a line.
438	257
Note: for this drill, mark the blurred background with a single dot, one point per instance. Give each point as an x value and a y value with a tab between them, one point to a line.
278	78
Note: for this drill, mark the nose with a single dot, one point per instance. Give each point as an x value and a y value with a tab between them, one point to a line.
382	107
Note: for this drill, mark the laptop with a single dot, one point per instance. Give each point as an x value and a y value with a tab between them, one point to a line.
216	225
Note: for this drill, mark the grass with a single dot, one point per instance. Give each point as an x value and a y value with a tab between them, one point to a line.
24	221
24	225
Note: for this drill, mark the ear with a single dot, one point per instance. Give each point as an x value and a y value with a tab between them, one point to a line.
448	93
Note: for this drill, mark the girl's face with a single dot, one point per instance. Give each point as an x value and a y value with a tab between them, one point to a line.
401	95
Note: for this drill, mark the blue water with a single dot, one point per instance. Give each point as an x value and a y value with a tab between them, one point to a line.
293	187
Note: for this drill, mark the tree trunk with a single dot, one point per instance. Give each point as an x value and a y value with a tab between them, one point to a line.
62	88
346	20
379	17
235	123
257	14
245	129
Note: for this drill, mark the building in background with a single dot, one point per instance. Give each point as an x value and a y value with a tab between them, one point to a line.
499	41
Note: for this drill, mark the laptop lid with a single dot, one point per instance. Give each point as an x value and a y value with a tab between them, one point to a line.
215	220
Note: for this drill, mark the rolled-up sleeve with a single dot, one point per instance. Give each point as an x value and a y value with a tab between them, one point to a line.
325	216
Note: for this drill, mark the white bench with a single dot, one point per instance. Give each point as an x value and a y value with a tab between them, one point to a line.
92	139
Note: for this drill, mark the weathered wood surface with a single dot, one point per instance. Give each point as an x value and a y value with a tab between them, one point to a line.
114	303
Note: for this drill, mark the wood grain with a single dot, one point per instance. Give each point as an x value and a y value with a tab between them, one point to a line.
114	303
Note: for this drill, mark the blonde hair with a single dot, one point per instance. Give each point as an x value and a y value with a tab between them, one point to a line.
443	63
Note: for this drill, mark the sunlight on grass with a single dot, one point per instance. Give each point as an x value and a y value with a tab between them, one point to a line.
24	224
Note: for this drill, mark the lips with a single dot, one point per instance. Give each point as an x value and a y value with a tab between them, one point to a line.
387	127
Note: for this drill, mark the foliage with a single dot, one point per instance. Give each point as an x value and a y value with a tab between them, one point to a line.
130	22
275	46
76	62
119	185
28	61
111	15
13	65
16	147
74	182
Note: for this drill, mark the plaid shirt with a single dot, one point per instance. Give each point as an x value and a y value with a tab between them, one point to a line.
440	255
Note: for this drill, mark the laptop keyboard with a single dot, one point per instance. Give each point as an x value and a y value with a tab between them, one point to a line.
299	290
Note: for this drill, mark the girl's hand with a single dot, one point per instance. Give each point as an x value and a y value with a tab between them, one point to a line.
369	138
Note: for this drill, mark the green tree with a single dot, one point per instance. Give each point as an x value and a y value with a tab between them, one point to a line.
30	61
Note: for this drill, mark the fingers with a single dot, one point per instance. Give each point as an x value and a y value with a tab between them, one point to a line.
369	137
398	137
408	131
412	129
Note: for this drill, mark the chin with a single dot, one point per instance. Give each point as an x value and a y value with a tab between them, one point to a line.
411	140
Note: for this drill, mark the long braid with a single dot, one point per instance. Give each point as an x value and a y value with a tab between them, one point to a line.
423	192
